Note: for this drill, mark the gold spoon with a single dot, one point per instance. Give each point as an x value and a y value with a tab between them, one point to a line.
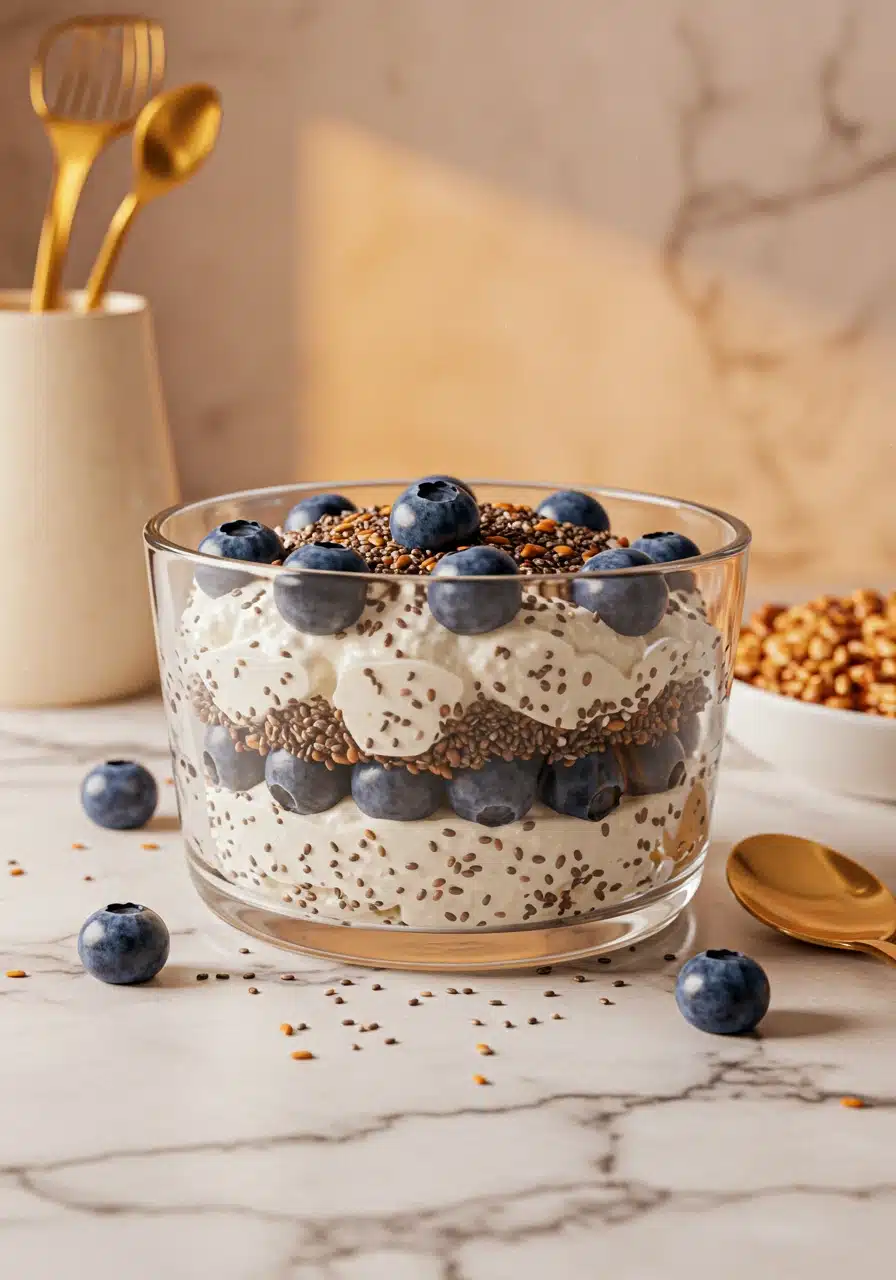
174	134
813	893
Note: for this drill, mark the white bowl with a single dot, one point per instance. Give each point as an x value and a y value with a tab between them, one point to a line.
840	751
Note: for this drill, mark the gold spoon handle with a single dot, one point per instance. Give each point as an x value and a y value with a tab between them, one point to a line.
109	251
71	172
882	950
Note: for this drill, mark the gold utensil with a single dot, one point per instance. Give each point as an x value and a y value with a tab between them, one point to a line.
89	81
174	134
813	893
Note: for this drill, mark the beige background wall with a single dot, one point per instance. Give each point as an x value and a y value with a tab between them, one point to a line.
648	244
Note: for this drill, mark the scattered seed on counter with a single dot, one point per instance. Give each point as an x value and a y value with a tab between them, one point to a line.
853	1102
16	973
376	987
87	877
373	1026
222	977
149	846
550	995
669	956
556	1017
253	991
477	1023
330	992
76	844
479	1080
620	983
580	977
604	960
426	994
287	1028
496	1002
509	1026
339	1000
301	1055
533	1022
202	977
356	1046
391	1040
452	991
604	1000
169	782
17	871
346	982
287	977
248	976
413	1000
485	1049
302	1026
244	951
468	991
544	970
12	862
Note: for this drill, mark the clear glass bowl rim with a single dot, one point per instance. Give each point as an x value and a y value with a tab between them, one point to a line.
156	540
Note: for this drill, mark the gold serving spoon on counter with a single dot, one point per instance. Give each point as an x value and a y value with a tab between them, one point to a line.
813	893
174	134
89	80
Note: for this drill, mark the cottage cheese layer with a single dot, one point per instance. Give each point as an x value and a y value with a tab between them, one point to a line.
447	873
397	674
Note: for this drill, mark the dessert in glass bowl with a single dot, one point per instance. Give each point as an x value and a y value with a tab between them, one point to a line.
446	725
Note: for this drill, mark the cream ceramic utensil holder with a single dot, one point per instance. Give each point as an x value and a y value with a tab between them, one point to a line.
85	459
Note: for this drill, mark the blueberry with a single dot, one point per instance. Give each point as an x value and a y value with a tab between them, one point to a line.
321	603
310	510
664	547
501	791
471	608
119	794
434	515
395	793
654	767
461	484
723	992
630	605
236	540
304	786
123	943
590	787
569	506
225	766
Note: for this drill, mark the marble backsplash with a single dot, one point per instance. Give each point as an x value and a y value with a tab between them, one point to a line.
586	240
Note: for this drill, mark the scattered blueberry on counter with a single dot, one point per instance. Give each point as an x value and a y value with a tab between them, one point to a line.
123	943
590	788
631	605
723	992
655	766
316	604
304	786
225	766
311	509
395	793
501	791
119	794
472	608
236	540
434	515
570	506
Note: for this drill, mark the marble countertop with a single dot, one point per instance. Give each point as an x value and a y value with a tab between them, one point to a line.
166	1130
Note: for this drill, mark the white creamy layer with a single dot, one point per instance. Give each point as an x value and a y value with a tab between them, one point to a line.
398	673
447	873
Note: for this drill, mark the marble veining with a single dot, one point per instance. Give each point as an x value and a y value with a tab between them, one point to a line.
170	1121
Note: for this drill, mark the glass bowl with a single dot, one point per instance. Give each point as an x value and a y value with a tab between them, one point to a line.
497	778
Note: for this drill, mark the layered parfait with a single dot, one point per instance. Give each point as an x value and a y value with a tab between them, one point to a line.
441	714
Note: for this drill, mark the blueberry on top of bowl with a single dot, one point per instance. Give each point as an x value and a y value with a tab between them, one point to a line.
631	605
434	515
570	506
310	509
471	608
321	603
236	540
461	484
663	548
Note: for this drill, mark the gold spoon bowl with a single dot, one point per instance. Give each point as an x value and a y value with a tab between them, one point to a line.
811	892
